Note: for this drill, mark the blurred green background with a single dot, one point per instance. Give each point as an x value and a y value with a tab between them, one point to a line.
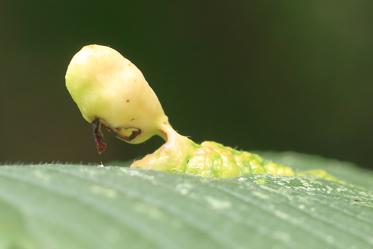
256	75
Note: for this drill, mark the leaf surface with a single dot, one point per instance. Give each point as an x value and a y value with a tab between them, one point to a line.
74	206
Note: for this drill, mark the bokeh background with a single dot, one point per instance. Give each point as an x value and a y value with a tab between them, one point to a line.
256	75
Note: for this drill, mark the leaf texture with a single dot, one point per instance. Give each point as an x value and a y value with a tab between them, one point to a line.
74	206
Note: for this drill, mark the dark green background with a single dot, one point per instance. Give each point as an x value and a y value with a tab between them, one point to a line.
257	75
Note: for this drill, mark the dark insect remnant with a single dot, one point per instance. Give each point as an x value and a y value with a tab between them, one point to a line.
101	146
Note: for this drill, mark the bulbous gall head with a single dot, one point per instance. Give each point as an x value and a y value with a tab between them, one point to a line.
110	90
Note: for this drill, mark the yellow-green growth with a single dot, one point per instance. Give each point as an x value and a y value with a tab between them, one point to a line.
210	159
108	87
110	90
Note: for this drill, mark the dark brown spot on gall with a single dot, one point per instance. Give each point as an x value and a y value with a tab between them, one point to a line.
127	100
133	135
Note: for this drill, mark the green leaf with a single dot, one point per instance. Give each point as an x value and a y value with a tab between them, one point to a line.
344	170
72	206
